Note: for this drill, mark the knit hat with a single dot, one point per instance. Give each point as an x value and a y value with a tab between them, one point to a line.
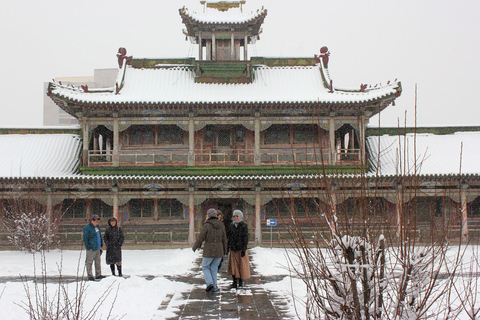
211	213
238	213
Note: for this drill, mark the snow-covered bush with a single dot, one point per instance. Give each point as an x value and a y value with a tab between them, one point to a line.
355	272
31	228
32	232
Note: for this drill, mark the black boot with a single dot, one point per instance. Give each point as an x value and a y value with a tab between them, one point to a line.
234	284
120	271
112	267
240	283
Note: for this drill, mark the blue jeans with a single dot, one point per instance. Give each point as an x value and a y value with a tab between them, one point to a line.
210	270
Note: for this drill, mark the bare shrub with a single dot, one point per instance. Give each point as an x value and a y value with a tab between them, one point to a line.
365	250
358	265
467	285
45	300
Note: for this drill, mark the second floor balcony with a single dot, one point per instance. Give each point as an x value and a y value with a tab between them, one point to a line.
232	158
224	145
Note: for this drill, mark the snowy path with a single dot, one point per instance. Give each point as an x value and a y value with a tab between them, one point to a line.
252	302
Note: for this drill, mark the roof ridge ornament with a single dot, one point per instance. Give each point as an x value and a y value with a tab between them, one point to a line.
324	55
122	55
223	5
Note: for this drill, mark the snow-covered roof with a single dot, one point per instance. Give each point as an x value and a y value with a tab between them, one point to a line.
39	155
457	153
232	16
269	85
41	127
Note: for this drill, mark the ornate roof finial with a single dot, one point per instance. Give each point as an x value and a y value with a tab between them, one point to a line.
223	5
324	54
122	55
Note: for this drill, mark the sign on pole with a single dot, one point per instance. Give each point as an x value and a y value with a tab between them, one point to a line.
271	223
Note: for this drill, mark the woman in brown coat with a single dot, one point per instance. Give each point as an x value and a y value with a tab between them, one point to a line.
215	238
238	261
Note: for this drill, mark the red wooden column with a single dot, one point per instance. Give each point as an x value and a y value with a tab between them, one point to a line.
49	210
191	216
331	133
214	46
361	127
116	213
245	50
232	45
191	139
116	142
85	133
200	47
258	216
257	139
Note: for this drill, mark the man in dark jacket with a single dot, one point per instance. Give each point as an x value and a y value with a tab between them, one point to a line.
213	234
93	242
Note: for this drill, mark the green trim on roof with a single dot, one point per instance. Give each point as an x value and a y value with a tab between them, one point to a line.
267	61
220	171
283	62
433	130
40	131
156	63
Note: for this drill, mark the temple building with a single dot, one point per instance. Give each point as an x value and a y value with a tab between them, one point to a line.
228	130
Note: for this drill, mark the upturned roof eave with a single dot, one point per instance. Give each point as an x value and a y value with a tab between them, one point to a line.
314	103
189	20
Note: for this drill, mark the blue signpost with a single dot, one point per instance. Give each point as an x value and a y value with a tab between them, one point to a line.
271	223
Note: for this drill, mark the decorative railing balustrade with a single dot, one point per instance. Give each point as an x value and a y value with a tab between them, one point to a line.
234	157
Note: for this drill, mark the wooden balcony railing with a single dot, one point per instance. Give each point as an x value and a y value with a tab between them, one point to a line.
237	157
100	158
224	158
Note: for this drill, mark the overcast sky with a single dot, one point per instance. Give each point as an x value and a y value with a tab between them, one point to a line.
434	44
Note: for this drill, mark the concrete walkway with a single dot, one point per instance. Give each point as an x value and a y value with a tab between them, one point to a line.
251	302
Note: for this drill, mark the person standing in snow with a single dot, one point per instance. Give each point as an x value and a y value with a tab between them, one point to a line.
215	238
238	260
93	243
114	239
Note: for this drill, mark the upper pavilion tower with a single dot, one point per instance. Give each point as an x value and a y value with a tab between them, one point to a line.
223	31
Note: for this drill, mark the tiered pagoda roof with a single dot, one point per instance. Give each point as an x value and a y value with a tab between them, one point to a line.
223	15
174	85
212	18
154	85
270	85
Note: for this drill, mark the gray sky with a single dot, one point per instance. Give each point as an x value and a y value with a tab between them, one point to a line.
434	44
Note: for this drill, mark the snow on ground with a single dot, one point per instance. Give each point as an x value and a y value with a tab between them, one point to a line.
138	296
148	284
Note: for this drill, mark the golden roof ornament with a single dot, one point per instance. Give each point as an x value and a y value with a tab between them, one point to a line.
223	5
